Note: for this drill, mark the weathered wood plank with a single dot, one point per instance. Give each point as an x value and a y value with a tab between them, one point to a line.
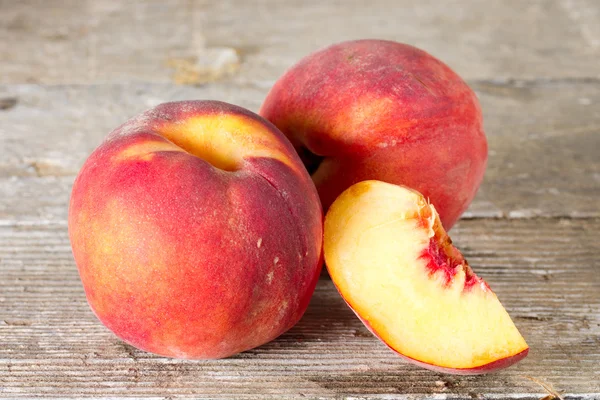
105	41
162	41
543	140
50	130
544	271
509	39
36	201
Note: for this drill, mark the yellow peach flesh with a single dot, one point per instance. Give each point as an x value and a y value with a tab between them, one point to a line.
375	234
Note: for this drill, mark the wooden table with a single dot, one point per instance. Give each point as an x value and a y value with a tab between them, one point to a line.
71	71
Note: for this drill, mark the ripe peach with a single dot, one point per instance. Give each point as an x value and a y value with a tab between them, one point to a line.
196	230
392	261
375	109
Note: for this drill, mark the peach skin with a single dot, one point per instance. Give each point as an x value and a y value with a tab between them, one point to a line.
196	230
375	109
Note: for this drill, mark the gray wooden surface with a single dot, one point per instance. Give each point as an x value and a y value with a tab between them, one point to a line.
70	71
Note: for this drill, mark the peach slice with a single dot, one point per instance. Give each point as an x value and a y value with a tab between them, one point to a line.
392	261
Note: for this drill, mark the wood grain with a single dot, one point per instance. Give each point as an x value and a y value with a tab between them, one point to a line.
544	137
544	271
543	140
113	41
508	39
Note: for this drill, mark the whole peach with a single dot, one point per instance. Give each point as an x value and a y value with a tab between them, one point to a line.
196	230
375	109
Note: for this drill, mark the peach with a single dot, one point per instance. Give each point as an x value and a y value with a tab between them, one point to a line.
375	109
196	230
392	261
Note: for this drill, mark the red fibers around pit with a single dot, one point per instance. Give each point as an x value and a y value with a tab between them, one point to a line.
447	258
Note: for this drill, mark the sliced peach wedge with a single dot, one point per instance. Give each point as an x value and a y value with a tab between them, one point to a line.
392	261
